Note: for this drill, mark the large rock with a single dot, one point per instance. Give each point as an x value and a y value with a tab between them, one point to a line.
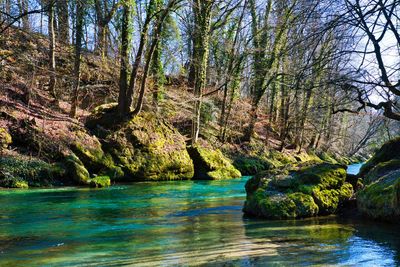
317	189
380	199
147	148
211	164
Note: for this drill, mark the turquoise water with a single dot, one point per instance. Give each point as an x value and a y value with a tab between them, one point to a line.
354	168
174	224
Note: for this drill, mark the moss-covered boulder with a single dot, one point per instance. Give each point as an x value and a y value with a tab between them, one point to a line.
22	172
210	164
146	148
295	192
388	152
100	181
89	150
76	171
5	138
380	198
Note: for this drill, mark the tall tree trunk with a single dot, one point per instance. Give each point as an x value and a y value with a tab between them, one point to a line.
63	21
23	9
77	61
128	98
52	58
123	80
202	12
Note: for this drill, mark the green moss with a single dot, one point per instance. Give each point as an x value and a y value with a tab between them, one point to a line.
302	191
251	165
149	148
324	175
94	158
381	169
211	164
76	170
305	205
389	151
380	199
324	156
100	181
327	200
5	138
278	206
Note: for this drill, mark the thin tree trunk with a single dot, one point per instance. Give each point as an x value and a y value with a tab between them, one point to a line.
52	58
77	63
123	81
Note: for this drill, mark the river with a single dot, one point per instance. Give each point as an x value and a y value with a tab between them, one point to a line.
174	224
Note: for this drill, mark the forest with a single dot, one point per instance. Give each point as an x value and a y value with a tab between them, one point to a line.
129	117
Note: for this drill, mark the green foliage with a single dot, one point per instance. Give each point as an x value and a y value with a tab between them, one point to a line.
19	173
5	138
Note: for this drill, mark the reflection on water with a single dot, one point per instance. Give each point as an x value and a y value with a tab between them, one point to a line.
176	223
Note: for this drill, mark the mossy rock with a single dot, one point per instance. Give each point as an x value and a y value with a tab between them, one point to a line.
90	152
381	169
148	148
5	138
381	198
21	173
100	182
389	151
210	164
251	165
76	171
302	191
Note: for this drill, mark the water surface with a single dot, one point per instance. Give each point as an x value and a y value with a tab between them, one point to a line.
175	224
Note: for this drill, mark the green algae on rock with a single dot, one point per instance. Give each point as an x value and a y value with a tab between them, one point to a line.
211	164
302	191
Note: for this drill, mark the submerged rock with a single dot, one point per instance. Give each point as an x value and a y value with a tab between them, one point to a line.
211	164
380	199
317	189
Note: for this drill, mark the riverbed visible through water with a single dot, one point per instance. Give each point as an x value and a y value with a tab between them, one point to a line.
174	224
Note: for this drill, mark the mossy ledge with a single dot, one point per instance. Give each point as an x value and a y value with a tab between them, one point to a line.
380	198
296	192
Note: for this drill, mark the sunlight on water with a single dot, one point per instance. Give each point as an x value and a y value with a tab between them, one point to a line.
175	223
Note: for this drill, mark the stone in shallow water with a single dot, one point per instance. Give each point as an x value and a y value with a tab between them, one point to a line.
298	192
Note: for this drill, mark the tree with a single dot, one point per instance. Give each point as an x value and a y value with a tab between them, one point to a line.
104	14
63	21
52	59
202	10
378	21
80	11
